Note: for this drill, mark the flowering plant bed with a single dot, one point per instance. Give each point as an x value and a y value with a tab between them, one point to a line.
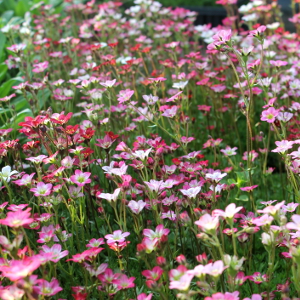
143	157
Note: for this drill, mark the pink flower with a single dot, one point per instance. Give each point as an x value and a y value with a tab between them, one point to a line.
170	112
54	251
208	224
144	296
95	243
254	297
223	36
180	278
40	67
153	274
214	269
42	189
19	269
136	206
226	296
183	283
159	232
17	219
269	115
125	95
248	188
123	282
264	220
252	155
108	83
229	212
295	225
25	180
216	176
283	146
46	288
81	178
229	151
258	32
11	292
117	236
106	142
290	207
278	63
258	278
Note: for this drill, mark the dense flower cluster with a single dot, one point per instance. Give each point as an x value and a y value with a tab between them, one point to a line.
148	154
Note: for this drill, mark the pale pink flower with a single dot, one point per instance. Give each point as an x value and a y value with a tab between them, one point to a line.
183	283
108	83
81	178
215	269
115	171
54	251
283	146
229	212
208	224
271	210
117	236
159	232
290	207
263	220
136	206
37	160
170	112
192	192
42	189
278	63
125	95
110	197
258	31
11	292
216	176
40	67
295	225
228	151
295	154
254	297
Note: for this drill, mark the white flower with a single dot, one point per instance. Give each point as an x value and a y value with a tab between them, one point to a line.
191	192
180	85
6	173
142	154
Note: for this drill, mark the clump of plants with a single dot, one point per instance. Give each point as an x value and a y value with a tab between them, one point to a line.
143	157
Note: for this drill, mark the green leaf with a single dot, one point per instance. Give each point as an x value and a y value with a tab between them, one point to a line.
231	181
20	103
43	96
6	16
22	7
21	115
242	198
3	70
6	86
242	177
2	45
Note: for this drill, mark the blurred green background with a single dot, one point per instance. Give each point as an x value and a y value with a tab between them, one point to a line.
21	6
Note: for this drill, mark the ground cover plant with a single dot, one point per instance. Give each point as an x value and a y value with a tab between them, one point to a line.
143	157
